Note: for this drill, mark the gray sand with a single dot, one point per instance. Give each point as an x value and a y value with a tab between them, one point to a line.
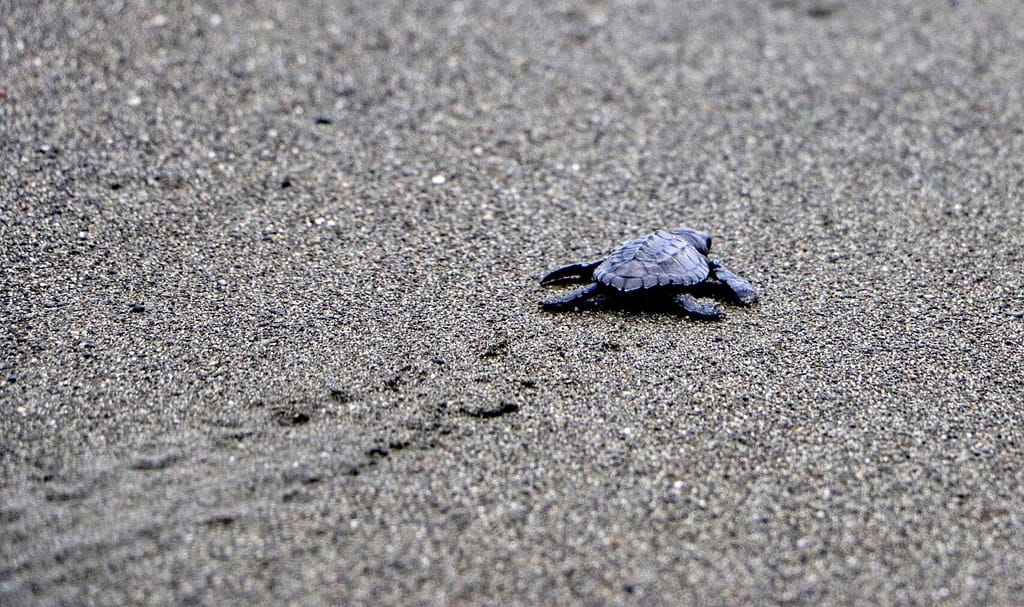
336	386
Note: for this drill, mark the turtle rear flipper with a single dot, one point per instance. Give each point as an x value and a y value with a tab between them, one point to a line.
739	287
574	272
571	299
698	309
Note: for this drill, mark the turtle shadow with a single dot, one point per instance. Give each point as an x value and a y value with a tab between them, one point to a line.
655	303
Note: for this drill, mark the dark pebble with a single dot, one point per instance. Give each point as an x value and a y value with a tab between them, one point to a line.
323	120
138	309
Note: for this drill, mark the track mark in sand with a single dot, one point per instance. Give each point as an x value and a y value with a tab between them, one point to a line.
221	519
10	514
233	437
156	461
340	396
496	349
504	408
291	415
290	412
402	377
415	435
67	492
424	438
822	10
376	453
301	492
59	487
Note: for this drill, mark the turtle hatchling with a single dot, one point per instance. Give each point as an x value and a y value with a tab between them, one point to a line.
671	266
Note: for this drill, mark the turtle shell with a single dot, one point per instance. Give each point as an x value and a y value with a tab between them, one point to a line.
659	259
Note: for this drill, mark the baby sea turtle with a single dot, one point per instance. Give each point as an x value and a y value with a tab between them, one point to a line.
671	265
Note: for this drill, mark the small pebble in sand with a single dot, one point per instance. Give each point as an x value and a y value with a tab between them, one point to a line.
437	179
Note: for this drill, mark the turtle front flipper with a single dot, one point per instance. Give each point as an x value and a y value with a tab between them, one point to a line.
574	272
570	299
698	309
739	287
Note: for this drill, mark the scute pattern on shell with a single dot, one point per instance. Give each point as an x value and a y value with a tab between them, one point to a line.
659	259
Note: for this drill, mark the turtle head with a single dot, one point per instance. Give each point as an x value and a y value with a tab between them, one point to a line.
701	240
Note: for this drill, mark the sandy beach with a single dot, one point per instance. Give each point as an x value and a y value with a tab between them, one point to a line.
269	284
